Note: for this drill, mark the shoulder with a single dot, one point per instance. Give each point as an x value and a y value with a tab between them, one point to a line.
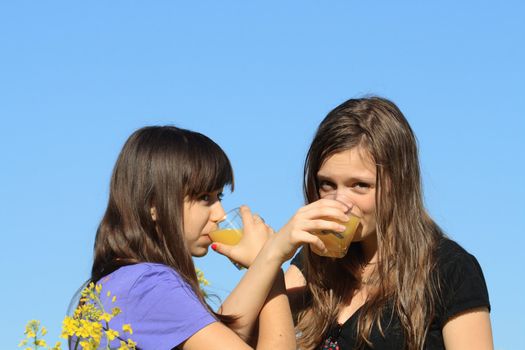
150	285
161	307
449	250
142	274
461	281
453	261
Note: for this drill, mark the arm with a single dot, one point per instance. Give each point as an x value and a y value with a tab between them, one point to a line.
251	299
295	287
465	318
294	278
277	308
214	336
257	286
469	330
259	294
276	330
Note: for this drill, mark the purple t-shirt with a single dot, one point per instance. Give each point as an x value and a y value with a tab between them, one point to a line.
161	308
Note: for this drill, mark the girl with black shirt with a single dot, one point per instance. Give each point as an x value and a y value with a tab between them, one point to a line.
402	284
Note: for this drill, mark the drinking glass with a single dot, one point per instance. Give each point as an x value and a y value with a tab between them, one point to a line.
337	243
229	230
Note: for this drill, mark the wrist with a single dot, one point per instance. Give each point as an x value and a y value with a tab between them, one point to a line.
270	253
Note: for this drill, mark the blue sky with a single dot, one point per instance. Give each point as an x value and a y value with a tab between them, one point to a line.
77	78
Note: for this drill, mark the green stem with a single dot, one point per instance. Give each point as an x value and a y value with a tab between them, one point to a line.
107	329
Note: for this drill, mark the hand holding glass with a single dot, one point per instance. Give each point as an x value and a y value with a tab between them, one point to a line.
229	230
337	243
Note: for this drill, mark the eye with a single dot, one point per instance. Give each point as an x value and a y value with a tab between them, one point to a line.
361	187
205	197
210	198
326	186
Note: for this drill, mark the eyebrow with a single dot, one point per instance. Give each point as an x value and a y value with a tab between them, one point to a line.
366	179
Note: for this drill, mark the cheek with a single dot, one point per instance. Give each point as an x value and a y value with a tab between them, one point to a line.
368	210
371	221
366	205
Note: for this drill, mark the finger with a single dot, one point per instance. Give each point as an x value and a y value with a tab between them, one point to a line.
225	250
332	209
246	215
332	203
319	245
222	249
257	218
327	213
322	225
307	238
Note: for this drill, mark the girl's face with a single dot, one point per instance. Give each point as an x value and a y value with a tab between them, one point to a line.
351	176
200	218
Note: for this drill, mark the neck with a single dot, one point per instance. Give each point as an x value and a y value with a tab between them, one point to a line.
369	246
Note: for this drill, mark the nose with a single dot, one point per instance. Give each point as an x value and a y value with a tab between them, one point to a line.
218	212
344	198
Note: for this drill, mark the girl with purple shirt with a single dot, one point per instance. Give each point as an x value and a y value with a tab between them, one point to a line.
165	199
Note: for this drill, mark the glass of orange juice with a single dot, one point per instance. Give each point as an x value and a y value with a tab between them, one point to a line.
229	230
337	243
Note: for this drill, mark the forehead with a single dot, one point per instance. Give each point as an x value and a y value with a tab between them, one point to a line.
353	163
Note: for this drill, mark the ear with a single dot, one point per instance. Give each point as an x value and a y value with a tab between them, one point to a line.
153	213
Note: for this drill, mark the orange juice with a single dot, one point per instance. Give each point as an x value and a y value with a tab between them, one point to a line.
228	236
337	243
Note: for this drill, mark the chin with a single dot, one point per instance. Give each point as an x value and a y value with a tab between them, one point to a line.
199	252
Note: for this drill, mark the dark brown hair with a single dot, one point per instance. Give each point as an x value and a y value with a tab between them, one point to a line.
158	167
406	234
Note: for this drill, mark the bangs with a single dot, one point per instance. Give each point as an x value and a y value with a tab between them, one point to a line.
209	169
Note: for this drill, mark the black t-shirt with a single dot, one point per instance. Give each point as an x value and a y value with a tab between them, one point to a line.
462	286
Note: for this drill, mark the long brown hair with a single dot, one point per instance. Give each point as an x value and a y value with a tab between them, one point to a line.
158	167
403	280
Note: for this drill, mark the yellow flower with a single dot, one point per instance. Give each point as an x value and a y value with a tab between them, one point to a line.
89	329
132	344
41	342
69	327
123	346
88	345
32	325
106	317
111	334
85	325
87	311
200	277
127	328
31	334
114	299
84	329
